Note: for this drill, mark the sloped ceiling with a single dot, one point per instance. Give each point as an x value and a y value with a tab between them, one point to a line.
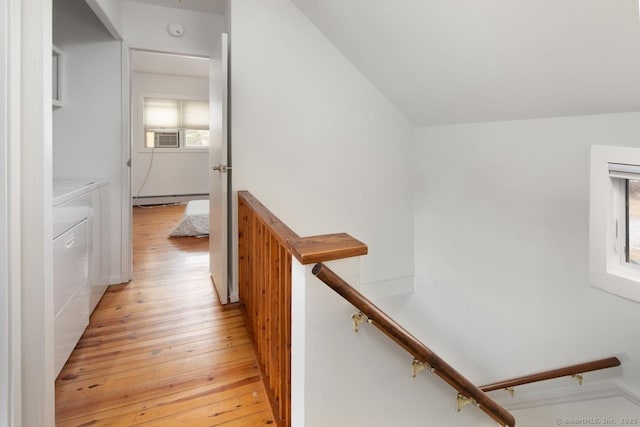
458	61
208	6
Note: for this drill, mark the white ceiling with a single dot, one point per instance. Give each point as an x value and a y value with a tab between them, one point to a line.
458	61
208	6
175	65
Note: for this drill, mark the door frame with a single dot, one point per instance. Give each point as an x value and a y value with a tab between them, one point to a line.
5	314
31	186
10	351
126	230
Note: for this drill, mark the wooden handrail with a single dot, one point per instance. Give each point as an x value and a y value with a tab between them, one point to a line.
567	371
279	228
307	250
414	346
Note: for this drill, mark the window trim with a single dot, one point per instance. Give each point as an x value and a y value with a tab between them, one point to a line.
140	137
607	271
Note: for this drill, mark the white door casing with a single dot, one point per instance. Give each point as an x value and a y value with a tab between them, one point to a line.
219	173
35	195
10	312
5	340
126	230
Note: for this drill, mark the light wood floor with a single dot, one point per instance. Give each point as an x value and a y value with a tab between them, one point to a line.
161	350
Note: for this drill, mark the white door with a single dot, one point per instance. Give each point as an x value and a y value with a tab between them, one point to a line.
218	172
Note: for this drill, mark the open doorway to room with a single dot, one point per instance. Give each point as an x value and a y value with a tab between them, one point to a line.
179	148
170	134
169	128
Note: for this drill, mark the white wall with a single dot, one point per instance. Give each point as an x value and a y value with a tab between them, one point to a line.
314	140
145	27
502	249
87	131
172	172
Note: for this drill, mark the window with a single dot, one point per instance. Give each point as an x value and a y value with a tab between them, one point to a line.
633	222
626	211
614	229
174	123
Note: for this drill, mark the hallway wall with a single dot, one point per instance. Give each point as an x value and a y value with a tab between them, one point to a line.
314	140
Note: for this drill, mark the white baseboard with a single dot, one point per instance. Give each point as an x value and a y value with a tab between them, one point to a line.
162	200
577	393
117	280
234	297
388	288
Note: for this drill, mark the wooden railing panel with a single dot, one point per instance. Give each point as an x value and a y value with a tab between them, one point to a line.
272	313
265	250
286	339
265	293
243	256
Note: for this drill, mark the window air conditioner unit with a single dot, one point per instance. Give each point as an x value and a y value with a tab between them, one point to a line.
166	139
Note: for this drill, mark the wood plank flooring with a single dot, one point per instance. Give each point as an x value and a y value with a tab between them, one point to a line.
161	350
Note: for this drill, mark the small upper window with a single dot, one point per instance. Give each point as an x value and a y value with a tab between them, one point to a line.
614	229
633	222
174	123
626	211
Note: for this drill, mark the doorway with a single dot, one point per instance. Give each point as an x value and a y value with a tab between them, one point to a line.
170	127
177	128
